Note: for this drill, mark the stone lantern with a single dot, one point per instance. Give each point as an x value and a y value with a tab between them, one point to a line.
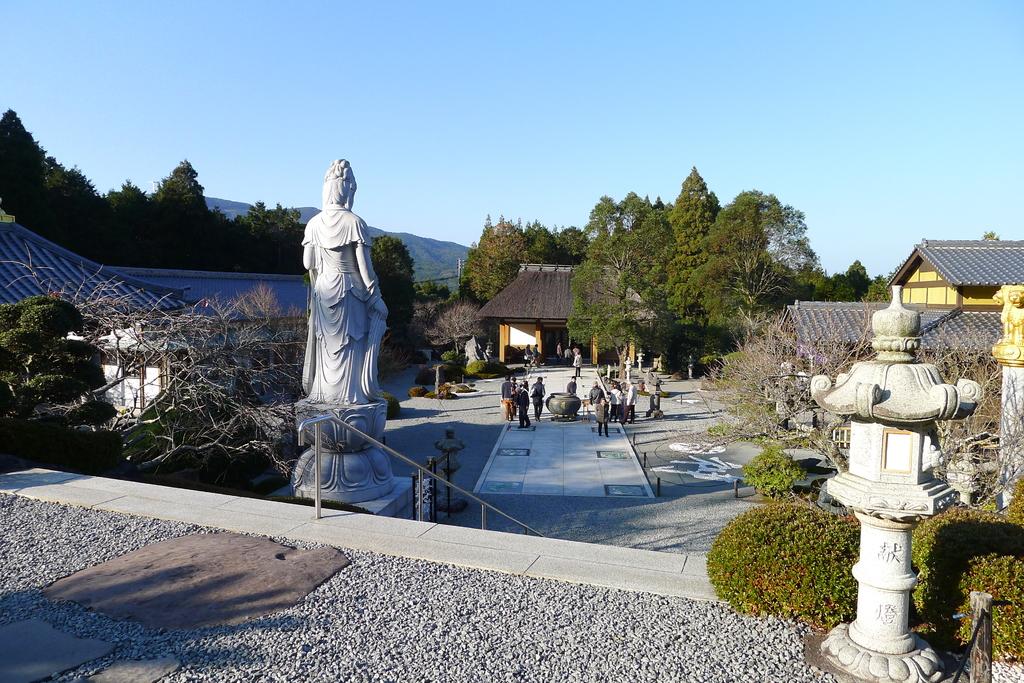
893	403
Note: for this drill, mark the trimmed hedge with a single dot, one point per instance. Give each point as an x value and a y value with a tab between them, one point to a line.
1003	577
1015	511
487	370
417	391
788	560
88	452
942	550
773	472
394	407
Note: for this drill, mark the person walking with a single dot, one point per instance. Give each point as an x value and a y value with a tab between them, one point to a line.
631	395
601	415
570	388
596	392
523	405
558	352
537	394
616	401
508	394
528	356
577	361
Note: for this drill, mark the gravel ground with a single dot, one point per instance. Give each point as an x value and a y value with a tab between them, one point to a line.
391	619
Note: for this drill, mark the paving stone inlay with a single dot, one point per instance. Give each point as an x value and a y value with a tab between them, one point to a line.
514	452
32	650
612	455
503	487
624	490
200	580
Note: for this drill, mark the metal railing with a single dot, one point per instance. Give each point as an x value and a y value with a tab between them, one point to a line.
317	422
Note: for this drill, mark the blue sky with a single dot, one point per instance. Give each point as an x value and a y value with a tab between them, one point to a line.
885	122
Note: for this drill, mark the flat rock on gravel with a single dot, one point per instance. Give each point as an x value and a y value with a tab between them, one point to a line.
32	650
200	580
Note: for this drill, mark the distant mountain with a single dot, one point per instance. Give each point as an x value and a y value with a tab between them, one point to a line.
432	258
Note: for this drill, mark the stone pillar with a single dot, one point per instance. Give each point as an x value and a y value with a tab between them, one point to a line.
1009	352
879	646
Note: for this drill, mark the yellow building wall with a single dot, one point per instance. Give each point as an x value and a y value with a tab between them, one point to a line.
979	296
940	295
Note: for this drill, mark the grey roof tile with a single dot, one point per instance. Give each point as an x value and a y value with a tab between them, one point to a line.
851	322
31	265
976	262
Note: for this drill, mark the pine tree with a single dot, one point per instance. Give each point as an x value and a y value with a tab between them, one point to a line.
493	262
691	218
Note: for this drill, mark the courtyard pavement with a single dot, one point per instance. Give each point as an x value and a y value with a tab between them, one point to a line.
562	458
685	518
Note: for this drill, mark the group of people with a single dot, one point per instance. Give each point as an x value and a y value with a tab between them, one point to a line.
517	398
618	406
572	355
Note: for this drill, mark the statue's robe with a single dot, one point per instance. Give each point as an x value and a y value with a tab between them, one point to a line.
340	348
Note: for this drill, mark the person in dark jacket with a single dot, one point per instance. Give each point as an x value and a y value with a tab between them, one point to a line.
508	392
570	388
601	414
537	394
523	405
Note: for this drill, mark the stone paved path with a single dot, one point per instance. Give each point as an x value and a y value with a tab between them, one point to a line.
563	459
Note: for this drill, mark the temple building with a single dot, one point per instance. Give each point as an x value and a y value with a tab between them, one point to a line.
950	282
533	310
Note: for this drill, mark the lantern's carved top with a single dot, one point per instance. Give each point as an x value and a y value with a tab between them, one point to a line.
894	389
1009	350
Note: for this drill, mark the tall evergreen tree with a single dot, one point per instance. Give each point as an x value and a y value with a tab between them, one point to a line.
691	218
754	251
23	177
493	262
394	267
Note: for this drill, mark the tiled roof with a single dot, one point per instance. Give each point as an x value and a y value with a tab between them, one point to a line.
31	265
975	262
197	285
540	292
851	322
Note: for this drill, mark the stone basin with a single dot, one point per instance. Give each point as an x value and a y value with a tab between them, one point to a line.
564	406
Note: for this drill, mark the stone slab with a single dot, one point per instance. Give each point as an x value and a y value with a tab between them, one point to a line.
200	580
217	517
136	671
477	557
625	578
32	650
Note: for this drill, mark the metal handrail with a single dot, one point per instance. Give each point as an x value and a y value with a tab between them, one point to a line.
316	423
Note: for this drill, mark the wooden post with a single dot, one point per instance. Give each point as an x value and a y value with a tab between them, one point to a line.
981	655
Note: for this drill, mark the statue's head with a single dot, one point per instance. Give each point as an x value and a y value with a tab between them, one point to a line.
339	185
1010	294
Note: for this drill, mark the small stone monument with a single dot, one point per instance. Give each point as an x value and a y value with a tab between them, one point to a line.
893	403
1009	351
347	321
450	447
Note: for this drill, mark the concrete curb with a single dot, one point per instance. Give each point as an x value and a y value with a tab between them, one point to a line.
674	574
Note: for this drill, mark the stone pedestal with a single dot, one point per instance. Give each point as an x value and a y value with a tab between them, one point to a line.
878	645
1011	432
352	470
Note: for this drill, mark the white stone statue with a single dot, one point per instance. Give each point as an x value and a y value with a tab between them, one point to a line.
347	317
347	321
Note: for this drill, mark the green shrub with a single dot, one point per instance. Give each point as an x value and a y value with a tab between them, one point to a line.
90	413
1003	577
1015	511
942	550
486	369
788	560
720	429
394	407
772	472
88	452
416	392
